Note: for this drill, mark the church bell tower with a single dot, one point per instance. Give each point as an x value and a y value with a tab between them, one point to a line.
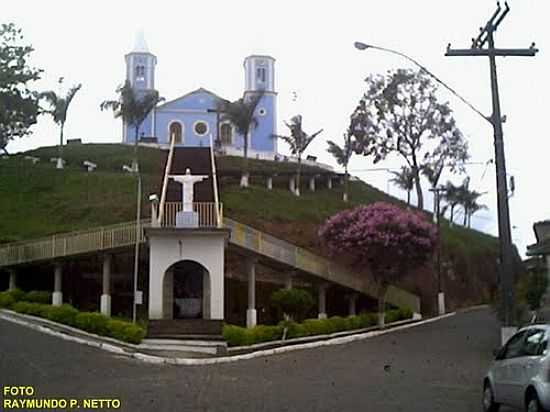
140	65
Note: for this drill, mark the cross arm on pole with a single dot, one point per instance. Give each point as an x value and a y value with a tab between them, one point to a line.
492	52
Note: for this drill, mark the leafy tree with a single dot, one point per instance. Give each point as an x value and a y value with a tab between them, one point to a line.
133	108
58	110
381	241
399	113
293	302
298	141
342	156
241	114
18	104
404	179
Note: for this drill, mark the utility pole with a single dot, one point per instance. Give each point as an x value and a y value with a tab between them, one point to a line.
440	295
486	37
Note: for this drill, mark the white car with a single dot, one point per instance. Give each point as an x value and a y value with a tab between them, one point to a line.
520	375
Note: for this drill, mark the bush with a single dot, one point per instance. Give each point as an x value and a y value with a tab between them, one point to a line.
6	300
294	302
368	319
38	296
406	313
264	333
92	322
392	315
125	331
234	335
16	294
65	314
28	308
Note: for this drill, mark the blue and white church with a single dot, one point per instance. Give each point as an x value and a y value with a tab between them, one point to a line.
192	118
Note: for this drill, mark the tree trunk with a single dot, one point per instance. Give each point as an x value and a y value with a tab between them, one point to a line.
382	289
244	171
299	170
60	149
135	166
435	204
408	197
346	184
452	214
465	216
417	185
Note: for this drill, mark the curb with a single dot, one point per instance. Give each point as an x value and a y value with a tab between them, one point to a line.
152	359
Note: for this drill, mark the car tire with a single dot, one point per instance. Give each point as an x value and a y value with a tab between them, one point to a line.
488	401
532	403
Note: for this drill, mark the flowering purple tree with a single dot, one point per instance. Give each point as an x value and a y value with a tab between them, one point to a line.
382	240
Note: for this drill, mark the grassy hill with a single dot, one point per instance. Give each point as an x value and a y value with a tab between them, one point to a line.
38	200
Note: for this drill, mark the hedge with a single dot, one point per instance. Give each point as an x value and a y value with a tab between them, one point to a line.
239	336
92	322
38	296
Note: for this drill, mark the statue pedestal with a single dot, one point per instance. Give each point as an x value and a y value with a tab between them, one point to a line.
187	219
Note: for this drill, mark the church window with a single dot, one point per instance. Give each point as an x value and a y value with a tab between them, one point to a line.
226	133
140	72
175	130
200	128
260	73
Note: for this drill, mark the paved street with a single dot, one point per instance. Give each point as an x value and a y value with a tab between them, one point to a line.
433	367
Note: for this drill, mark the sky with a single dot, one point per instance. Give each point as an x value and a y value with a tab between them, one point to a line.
319	73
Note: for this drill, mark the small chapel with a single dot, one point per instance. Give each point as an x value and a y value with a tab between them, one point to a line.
194	117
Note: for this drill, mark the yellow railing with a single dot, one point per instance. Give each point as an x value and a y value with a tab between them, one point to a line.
206	213
74	243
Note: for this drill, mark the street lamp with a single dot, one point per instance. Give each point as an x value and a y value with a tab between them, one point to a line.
363	46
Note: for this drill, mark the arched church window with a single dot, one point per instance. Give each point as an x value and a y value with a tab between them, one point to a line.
261	73
175	130
226	133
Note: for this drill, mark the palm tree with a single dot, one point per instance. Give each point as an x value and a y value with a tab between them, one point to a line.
404	179
241	114
342	156
432	172
298	142
452	196
471	206
133	109
58	110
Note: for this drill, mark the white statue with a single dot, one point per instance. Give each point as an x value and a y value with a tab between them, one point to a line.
187	181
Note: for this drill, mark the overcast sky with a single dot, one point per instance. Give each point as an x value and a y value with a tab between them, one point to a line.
318	72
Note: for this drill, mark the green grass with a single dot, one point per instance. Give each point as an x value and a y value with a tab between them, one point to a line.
38	200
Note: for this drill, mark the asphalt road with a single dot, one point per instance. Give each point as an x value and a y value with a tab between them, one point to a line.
432	367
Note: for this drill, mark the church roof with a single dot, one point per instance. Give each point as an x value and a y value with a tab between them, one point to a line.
199	90
140	45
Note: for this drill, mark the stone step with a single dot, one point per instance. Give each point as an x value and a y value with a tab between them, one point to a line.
192	328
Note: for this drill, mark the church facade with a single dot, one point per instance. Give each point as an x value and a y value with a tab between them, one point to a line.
193	117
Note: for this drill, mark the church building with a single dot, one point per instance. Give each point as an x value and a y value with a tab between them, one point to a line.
193	117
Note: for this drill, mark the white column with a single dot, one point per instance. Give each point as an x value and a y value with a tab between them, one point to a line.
329	183
288	281
270	183
105	301
292	185
13	283
323	301
353	304
312	183
441	303
57	296
251	314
